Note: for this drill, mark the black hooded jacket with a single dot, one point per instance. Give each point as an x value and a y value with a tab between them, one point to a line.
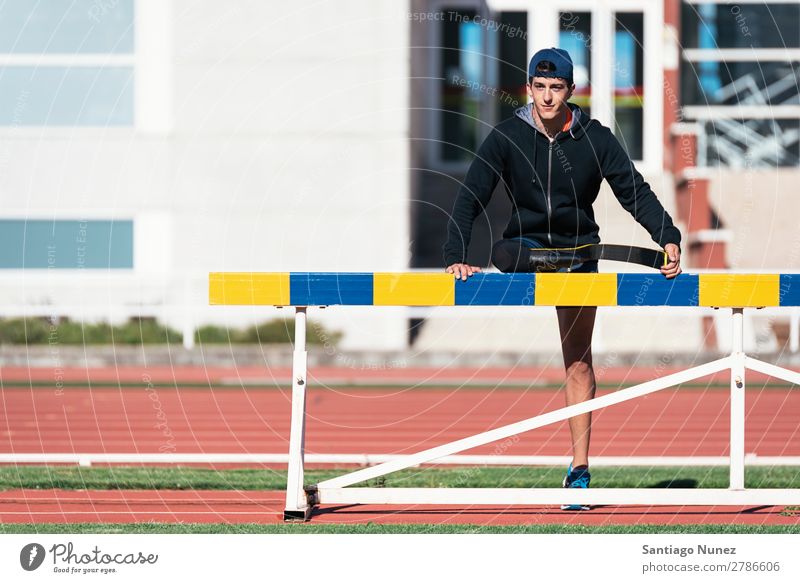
552	185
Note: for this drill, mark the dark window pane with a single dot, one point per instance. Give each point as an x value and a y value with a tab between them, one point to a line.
753	143
66	244
629	82
740	83
575	37
740	25
513	63
462	69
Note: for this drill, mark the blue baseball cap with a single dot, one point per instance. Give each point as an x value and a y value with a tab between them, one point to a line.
559	57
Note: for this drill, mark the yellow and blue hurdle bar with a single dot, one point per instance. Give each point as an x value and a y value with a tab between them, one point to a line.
305	289
498	289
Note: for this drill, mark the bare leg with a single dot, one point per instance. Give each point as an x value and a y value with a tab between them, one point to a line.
576	325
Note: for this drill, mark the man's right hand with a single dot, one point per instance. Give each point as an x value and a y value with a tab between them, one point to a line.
462	270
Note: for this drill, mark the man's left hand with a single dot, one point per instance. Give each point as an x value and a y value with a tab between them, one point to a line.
673	267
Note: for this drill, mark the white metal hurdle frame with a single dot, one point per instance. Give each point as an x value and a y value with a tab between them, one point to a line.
735	291
301	500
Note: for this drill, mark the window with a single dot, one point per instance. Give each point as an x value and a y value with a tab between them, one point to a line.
66	244
740	25
575	33
734	83
67	63
66	96
512	42
628	75
462	58
749	143
481	62
740	76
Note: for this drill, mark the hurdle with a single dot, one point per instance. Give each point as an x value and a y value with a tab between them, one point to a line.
709	290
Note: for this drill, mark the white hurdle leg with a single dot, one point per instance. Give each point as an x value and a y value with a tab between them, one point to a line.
297	507
737	402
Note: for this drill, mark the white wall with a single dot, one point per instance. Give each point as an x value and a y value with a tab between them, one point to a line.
282	145
291	144
760	208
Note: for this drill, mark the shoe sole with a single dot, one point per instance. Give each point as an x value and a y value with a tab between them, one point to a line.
575	508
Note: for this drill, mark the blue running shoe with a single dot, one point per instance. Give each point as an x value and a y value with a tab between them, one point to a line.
579	478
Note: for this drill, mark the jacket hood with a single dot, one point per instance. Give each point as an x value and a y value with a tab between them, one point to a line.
577	126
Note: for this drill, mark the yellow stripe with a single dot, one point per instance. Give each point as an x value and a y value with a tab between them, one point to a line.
576	289
249	289
739	290
562	248
414	289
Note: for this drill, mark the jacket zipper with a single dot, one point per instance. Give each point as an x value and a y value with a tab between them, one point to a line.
549	203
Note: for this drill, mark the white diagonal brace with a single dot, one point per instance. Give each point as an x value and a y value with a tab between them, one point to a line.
770	369
528	424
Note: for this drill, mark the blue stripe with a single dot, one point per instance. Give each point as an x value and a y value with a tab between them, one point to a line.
329	289
496	289
517	289
789	290
645	289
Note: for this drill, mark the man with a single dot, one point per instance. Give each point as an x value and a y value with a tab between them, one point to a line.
552	159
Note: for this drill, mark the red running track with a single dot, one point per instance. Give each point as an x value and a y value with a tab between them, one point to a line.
676	422
605	372
232	507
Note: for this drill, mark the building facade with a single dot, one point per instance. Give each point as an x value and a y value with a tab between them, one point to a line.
144	143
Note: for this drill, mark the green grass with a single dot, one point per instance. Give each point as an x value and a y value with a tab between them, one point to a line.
30	331
183	478
371	528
